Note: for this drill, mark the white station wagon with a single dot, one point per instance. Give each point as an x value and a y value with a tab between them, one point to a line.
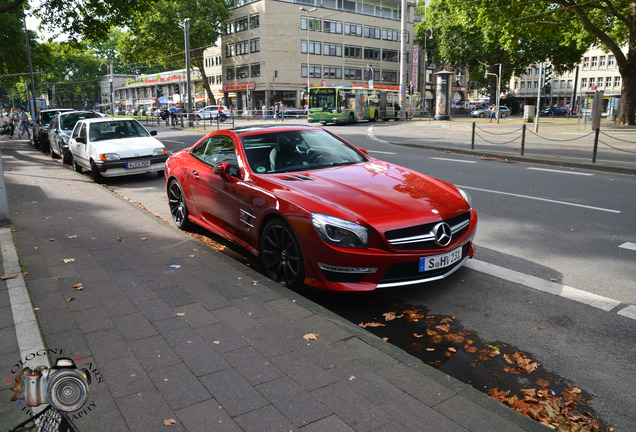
111	147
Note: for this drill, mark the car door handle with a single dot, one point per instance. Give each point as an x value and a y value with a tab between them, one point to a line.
195	174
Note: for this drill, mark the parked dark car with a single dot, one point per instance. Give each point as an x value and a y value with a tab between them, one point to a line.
555	111
294	112
41	128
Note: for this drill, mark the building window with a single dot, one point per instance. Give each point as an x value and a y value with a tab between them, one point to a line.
211	80
367	75
242	48
332	49
530	71
610	61
608	81
371	53
255	21
390	55
255	45
229	27
219	60
351	51
583	82
390	35
592	82
314	70
536	84
586	62
569	84
219	79
562	83
352	73
353	29
594	60
255	69
230	73
242	72
330	26
333	72
536	71
240	24
523	85
229	50
389	75
372	32
209	61
617	81
314	23
314	47
601	61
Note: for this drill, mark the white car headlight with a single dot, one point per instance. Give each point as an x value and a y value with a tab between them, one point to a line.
108	157
340	232
466	196
159	151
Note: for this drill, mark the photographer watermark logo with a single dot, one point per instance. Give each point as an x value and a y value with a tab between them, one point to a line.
64	386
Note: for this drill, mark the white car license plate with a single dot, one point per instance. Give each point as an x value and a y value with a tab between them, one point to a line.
440	261
138	164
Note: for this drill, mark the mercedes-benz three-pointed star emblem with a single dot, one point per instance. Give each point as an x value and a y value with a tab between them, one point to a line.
443	234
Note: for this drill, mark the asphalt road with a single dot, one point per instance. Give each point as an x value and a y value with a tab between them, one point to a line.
538	226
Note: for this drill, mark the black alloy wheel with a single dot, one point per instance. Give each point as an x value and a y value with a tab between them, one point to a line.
281	255
177	204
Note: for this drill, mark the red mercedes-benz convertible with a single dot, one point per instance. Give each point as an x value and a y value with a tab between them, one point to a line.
319	211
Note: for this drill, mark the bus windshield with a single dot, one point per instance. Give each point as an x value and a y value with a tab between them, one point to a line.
323	99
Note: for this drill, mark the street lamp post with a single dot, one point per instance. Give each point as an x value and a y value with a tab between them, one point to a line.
308	11
498	88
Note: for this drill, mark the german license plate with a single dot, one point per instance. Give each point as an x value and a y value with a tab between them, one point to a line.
138	164
440	261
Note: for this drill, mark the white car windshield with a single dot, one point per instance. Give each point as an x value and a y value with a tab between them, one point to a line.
116	129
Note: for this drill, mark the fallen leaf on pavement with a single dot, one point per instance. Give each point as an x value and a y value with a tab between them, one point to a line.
310	336
180	314
169	422
9	276
70	299
78	286
68	260
390	316
371	324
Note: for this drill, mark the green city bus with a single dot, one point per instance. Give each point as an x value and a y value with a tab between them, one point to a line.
352	104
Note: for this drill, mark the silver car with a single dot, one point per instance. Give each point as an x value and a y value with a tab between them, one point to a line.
60	129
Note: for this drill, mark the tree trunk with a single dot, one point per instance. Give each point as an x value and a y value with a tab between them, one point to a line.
200	62
627	109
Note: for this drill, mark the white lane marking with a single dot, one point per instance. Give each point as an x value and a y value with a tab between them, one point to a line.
173	141
373	137
453	160
540	199
628	245
561	171
381	152
629	312
557	289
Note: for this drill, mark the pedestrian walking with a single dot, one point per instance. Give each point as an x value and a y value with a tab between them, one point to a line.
276	111
396	109
264	108
493	112
24	123
282	111
13	122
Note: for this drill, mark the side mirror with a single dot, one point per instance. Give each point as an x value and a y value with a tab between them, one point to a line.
153	132
221	169
80	140
363	150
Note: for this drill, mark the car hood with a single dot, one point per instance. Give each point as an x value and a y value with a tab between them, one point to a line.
127	147
375	192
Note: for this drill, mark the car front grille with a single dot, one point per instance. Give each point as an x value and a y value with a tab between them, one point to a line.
422	236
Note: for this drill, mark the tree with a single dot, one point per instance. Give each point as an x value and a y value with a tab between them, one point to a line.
157	33
482	34
613	25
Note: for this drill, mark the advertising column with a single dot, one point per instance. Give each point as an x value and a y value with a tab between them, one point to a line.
442	107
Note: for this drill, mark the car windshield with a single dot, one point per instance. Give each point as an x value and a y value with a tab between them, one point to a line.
297	150
116	129
67	122
46	116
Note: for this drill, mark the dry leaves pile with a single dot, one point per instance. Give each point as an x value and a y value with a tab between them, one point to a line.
443	339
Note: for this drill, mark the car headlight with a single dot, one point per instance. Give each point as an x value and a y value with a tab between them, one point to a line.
340	232
159	151
466	196
108	157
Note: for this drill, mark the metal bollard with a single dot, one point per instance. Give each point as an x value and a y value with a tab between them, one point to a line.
598	131
472	141
523	139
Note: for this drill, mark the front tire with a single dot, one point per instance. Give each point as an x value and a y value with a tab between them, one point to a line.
97	176
178	206
66	157
352	119
77	167
281	255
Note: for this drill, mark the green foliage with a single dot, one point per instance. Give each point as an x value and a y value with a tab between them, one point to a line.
157	36
482	34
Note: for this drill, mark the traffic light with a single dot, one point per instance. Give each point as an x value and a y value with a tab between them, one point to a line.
158	91
275	74
546	75
177	90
